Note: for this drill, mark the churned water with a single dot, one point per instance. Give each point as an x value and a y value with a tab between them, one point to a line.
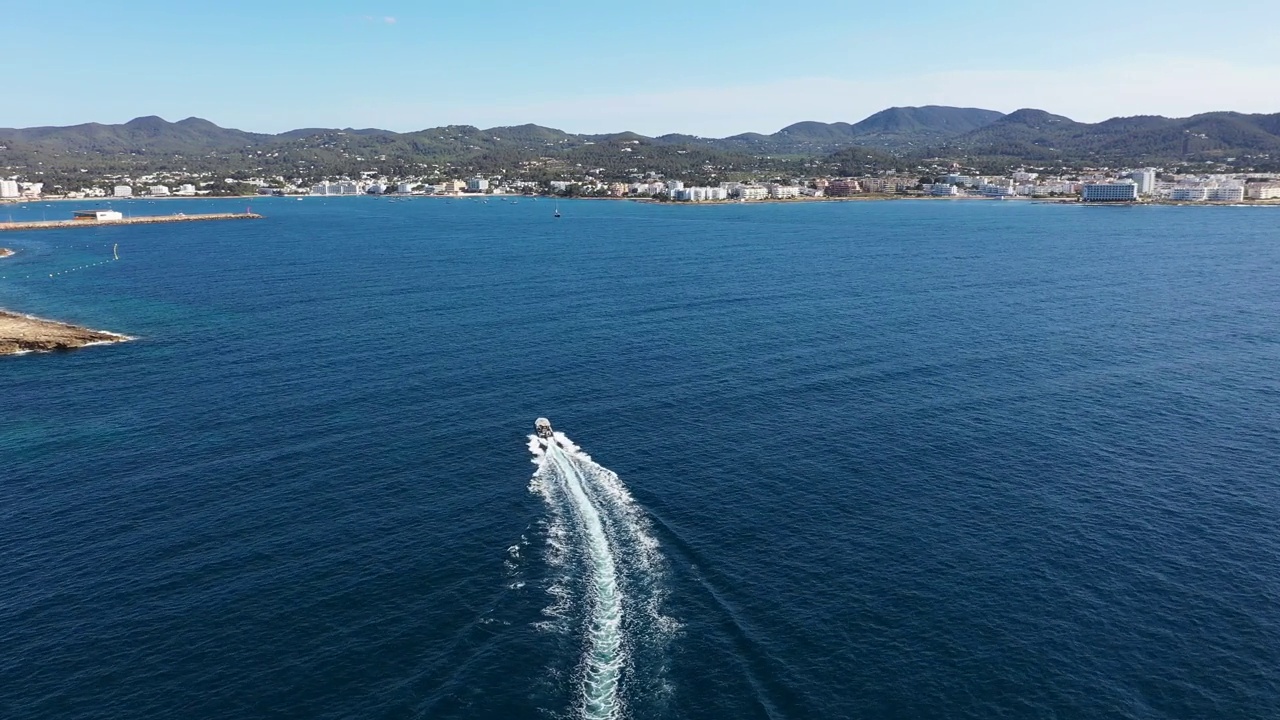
856	460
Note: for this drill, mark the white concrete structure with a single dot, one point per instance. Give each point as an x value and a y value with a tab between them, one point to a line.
404	187
158	190
751	192
1262	191
1189	193
1110	192
187	189
1145	180
122	191
997	189
477	184
941	189
700	194
783	192
9	189
1225	193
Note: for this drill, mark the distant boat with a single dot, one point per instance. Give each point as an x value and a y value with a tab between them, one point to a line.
557	210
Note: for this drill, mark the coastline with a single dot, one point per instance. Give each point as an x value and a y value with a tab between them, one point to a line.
21	334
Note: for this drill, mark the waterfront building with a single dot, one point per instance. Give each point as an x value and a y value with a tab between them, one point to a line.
941	189
751	192
843	188
1225	193
9	189
699	194
187	189
1145	180
122	191
1110	192
477	184
783	192
1263	191
1189	193
158	190
452	187
997	189
879	185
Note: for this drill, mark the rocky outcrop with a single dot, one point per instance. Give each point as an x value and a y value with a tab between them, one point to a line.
5	252
21	333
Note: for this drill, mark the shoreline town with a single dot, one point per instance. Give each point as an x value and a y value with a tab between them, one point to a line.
1140	185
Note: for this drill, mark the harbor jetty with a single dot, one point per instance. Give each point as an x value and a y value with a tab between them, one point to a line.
100	218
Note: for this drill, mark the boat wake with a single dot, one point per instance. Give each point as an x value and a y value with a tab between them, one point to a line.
608	567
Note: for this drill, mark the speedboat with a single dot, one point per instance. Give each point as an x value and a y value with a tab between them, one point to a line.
542	427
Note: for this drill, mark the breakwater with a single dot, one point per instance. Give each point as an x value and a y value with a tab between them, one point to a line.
179	217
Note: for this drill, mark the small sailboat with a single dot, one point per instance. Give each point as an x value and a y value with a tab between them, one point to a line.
557	210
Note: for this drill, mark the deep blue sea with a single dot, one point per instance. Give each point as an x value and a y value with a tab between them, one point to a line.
849	460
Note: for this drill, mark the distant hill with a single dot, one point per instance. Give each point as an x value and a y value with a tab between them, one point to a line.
140	135
1030	135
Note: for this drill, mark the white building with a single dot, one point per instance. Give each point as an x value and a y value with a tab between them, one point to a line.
477	184
122	191
9	189
1262	191
996	189
404	187
158	190
700	194
1109	192
1189	193
187	189
783	192
941	189
1225	193
1145	180
751	192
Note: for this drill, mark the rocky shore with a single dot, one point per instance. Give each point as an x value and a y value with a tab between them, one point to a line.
22	333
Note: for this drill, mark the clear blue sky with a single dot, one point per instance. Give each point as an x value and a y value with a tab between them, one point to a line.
708	68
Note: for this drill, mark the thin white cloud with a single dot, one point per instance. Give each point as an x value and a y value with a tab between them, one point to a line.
389	20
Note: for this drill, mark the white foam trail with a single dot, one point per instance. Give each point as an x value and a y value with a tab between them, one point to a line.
595	524
606	654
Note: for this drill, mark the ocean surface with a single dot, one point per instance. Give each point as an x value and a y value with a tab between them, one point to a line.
855	460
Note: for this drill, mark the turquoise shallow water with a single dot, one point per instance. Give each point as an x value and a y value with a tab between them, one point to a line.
873	460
